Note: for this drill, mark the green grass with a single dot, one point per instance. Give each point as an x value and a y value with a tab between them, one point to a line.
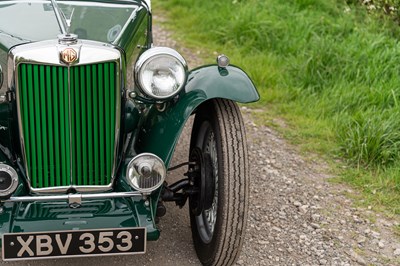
329	68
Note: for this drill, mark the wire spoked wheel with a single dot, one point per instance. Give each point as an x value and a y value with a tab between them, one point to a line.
218	213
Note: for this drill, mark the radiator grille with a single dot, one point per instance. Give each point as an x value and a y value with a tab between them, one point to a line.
68	123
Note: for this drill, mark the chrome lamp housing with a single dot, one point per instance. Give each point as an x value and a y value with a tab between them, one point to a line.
8	180
160	73
146	172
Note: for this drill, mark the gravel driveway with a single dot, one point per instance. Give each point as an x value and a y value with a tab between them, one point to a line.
296	216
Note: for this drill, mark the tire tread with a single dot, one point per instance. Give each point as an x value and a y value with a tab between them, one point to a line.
235	167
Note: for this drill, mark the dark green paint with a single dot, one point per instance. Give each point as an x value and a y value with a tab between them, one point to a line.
230	83
94	214
6	122
3	158
132	117
161	130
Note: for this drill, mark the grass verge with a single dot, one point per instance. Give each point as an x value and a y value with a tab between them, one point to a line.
326	67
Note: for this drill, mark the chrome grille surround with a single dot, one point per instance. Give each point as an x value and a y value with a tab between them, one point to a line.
48	53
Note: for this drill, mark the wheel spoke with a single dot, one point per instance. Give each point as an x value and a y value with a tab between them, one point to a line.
207	219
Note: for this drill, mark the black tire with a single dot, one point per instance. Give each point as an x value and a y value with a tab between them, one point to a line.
218	129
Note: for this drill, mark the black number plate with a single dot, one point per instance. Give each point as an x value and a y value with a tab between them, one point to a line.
41	245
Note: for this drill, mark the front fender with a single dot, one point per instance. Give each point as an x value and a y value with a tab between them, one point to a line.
160	131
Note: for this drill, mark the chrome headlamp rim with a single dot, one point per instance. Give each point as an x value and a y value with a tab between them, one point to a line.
14	180
145	190
153	53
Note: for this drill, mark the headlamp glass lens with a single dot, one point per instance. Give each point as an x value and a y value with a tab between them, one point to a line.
162	76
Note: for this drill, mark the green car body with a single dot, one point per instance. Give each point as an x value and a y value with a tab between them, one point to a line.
77	136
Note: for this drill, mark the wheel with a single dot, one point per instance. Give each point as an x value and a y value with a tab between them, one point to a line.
218	211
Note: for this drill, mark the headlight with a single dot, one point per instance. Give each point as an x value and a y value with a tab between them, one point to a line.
8	180
160	72
146	172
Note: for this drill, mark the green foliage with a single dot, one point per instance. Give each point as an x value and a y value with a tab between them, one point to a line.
315	62
371	138
381	7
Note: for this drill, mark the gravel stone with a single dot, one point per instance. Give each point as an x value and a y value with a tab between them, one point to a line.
361	239
297	203
357	258
315	226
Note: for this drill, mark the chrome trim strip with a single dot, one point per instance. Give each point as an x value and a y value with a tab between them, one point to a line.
47	53
148	3
118	115
70	127
1	77
74	196
63	189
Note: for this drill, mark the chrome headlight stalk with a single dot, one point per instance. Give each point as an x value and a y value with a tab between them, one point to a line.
8	180
146	172
160	73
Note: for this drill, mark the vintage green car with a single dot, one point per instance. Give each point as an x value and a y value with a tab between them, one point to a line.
90	114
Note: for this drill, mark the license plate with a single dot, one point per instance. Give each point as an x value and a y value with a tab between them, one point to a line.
41	245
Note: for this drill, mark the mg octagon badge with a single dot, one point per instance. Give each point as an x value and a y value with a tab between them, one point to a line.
69	55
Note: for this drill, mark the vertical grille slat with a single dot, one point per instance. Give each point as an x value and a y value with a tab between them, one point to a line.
56	117
63	138
84	128
68	123
101	122
96	125
50	128
38	127
44	111
31	129
89	93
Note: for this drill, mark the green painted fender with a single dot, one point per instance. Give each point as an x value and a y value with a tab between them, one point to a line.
160	131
